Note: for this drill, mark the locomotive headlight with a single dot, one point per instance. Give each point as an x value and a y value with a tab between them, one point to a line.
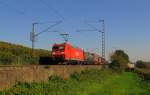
62	52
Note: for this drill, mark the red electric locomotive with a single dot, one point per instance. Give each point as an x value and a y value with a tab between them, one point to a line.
67	54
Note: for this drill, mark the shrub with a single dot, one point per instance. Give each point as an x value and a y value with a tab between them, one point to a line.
119	60
75	76
55	78
140	64
7	58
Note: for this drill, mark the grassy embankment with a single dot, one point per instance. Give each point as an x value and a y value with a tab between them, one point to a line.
144	73
143	69
18	54
89	82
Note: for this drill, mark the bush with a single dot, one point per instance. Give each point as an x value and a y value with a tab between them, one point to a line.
119	60
115	65
7	58
55	78
75	76
140	64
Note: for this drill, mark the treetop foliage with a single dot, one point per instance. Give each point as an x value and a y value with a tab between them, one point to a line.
119	60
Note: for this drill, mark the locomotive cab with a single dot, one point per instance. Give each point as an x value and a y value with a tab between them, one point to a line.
58	52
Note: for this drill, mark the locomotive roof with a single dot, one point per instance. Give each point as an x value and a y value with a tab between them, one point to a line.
67	44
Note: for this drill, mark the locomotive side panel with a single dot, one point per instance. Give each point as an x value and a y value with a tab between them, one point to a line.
75	53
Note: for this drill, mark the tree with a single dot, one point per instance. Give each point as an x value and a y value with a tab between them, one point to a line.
140	64
119	60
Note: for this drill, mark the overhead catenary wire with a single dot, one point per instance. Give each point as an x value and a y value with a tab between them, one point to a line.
17	11
12	8
21	12
33	35
51	26
90	25
102	31
51	8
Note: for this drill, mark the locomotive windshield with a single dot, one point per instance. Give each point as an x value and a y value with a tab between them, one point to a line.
58	48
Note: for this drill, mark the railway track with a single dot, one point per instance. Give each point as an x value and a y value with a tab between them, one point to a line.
52	65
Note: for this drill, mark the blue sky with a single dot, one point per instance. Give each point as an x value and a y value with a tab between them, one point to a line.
127	23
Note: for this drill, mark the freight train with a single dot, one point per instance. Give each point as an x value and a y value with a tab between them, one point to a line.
65	53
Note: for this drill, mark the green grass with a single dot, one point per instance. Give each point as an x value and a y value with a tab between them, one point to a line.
89	82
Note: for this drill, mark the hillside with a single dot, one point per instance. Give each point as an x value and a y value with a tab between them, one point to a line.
18	54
